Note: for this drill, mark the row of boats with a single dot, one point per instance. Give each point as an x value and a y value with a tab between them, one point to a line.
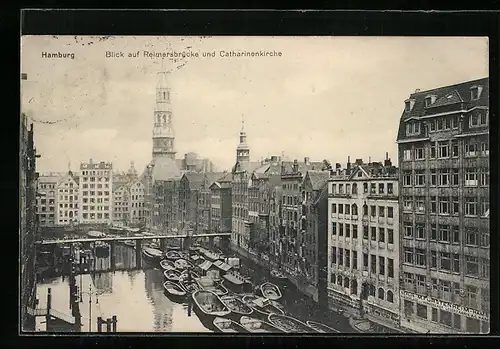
229	303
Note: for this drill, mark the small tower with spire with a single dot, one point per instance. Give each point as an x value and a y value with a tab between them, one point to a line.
243	150
132	172
163	131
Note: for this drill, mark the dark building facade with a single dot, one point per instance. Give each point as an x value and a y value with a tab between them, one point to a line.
443	142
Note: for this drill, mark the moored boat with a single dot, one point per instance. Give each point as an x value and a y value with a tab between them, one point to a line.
173	255
319	327
172	275
237	306
237	283
278	274
129	243
256	325
270	291
152	254
182	264
208	284
166	264
189	285
208	306
174	290
289	324
263	306
228	326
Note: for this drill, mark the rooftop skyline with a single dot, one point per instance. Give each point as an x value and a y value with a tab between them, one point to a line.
323	98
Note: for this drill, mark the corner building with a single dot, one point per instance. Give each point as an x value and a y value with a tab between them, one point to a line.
444	203
363	244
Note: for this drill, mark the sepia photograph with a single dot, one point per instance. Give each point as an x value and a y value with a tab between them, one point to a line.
252	184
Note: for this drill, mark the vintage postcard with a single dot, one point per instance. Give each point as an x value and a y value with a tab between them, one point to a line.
254	184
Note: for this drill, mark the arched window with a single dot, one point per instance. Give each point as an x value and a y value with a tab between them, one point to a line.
355	188
339	280
164	95
354	209
381	293
365	188
354	287
332	279
346	282
390	296
365	210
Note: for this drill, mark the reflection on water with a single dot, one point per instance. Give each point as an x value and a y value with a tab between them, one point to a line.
136	297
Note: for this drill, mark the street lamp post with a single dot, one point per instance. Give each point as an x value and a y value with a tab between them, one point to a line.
90	303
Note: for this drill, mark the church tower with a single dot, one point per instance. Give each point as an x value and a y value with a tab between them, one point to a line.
243	150
163	131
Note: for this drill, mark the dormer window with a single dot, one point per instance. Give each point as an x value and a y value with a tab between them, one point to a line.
429	100
412	128
475	92
409	104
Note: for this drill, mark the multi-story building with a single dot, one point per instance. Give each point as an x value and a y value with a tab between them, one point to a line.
121	199
67	199
221	205
312	186
136	190
95	192
443	142
204	207
46	198
128	198
363	243
291	257
242	172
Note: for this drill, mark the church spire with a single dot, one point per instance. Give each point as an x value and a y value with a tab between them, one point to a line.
243	150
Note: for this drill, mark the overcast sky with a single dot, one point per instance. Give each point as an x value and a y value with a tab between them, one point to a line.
325	97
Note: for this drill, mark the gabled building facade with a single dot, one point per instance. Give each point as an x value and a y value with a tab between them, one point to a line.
443	142
364	240
67	200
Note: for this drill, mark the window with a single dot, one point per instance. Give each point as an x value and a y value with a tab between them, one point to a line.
454	149
354	209
341	209
420	231
381	265
455	234
471	236
474	93
444	177
444	205
334	208
445	261
434	315
381	188
407	178
454	177
478	118
433	259
365	232
419	154
341	229
365	261
432	125
334	255
433	177
443	150
419	178
420	257
381	211
433	204
471	177
341	256
445	317
408	255
408	308
381	234
390	236
408	231
354	231
470	149
407	203
428	101
347	258
365	210
354	259
471	266
334	228
455	265
381	293
440	124
390	212
347	230
444	233
421	288
471	299
484	177
485	149
373	263
373	210
470	206
433	151
347	209
373	188
407	106
420	204
365	187
422	311
373	234
407	154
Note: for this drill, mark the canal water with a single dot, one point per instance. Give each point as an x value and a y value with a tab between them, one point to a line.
136	297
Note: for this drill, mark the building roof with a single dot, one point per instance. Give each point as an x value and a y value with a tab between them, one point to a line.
195	179
246	166
96	165
303	166
165	169
452	97
317	178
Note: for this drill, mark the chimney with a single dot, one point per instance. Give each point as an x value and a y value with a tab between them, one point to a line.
387	161
295	166
306	160
417	90
90	161
348	169
359	161
338	166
